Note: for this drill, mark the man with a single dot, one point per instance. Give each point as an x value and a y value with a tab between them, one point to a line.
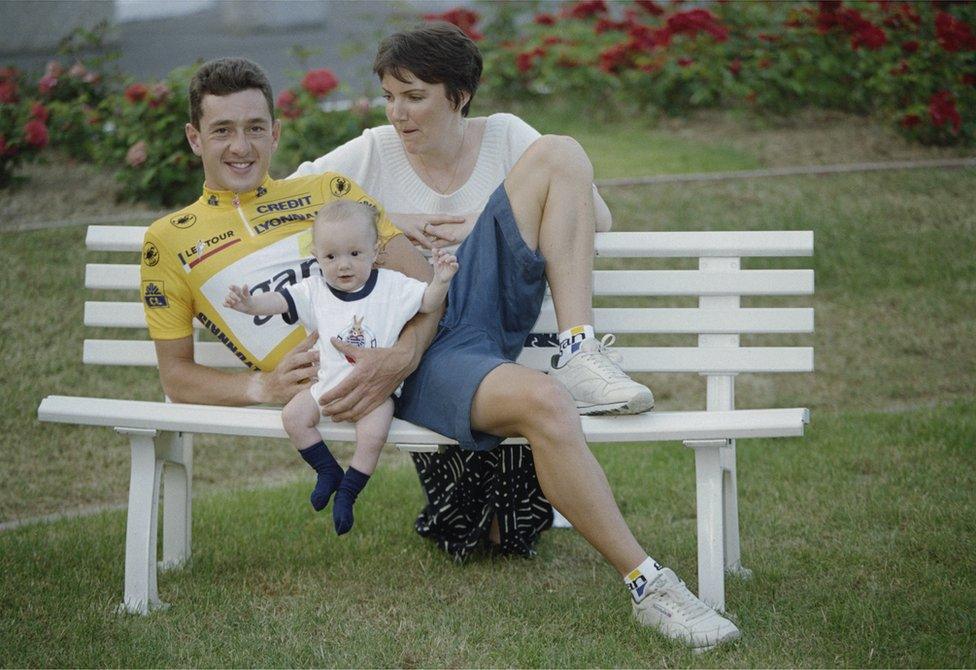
248	228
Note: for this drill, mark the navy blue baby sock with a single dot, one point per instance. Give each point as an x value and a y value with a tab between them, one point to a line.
329	471
351	485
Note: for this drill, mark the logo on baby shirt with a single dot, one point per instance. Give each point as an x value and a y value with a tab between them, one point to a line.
357	335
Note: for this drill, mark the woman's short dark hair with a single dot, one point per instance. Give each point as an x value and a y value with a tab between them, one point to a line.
437	53
224	76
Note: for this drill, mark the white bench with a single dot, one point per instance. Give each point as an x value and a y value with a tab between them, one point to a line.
160	433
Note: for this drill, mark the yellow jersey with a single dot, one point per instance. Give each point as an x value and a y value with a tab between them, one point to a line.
261	238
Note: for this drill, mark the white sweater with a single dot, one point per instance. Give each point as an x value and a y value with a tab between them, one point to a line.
377	161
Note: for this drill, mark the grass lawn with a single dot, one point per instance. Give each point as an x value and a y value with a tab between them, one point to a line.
860	534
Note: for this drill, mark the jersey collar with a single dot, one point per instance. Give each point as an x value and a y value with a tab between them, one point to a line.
230	199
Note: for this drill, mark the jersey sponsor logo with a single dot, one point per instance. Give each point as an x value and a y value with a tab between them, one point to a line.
369	201
340	186
271	224
284	279
154	295
213	201
219	334
204	249
284	205
184	221
150	254
261	191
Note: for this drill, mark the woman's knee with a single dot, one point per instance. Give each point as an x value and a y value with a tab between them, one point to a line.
560	154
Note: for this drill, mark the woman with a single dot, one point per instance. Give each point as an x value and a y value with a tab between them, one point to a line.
433	168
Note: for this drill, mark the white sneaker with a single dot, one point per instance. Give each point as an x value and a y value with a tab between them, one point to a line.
677	613
597	383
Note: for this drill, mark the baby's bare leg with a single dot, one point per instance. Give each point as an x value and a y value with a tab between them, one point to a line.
301	419
371	433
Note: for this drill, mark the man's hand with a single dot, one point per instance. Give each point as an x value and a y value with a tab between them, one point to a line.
294	373
376	374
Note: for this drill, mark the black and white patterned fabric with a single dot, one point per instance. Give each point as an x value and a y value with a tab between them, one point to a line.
465	489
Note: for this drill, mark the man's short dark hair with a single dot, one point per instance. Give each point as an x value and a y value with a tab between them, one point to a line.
437	53
224	76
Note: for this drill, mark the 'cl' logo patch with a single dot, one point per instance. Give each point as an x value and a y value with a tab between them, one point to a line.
150	254
184	221
339	186
153	294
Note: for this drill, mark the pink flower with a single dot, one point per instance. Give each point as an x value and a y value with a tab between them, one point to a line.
287	104
136	93
320	82
77	71
137	154
942	110
47	83
8	92
39	112
35	133
53	69
158	95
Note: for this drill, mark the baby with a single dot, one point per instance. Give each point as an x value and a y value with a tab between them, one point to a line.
359	305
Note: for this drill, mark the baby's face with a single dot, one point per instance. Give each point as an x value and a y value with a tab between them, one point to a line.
345	251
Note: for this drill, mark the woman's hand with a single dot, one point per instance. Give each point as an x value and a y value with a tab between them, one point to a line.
433	230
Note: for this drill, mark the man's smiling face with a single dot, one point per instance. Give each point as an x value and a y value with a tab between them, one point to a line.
235	140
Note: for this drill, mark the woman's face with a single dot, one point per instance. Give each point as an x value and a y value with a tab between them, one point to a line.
424	118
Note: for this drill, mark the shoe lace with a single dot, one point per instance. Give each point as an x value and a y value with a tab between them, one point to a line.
687	603
607	360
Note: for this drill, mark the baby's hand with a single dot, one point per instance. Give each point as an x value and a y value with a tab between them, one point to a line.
445	264
238	298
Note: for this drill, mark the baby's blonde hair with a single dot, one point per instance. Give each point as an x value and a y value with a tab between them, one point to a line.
342	211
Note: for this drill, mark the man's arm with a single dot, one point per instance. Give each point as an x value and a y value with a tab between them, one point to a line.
186	381
377	372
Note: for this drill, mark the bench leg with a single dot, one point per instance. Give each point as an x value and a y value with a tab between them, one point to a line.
141	595
733	556
177	498
709	481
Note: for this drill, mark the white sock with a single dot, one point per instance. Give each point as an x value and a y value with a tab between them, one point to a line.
638	578
570	341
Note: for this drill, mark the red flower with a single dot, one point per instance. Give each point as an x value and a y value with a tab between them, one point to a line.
684	61
8	73
137	154
650	7
793	22
586	8
695	21
286	103
766	37
567	62
545	19
603	25
524	61
644	38
764	63
552	39
463	18
900	69
8	92
35	133
617	57
136	93
869	36
910	121
735	67
39	112
942	110
968	79
954	34
910	47
46	83
319	82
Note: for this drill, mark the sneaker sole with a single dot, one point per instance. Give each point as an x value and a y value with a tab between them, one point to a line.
732	637
638	405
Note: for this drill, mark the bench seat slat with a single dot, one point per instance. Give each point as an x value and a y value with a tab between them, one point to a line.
605	282
621	245
262	422
717	360
616	320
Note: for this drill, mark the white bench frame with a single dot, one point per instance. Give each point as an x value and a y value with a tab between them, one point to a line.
161	433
